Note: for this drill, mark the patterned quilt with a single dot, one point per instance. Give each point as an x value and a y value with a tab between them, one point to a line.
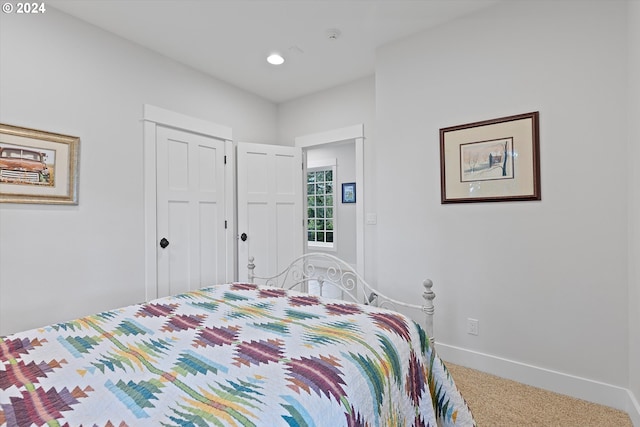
229	355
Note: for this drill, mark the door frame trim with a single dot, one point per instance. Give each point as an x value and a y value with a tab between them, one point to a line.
152	117
356	133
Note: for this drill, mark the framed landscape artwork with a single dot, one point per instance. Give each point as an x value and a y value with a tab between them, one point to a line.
491	161
38	166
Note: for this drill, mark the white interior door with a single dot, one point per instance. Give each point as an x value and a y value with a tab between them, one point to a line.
270	207
190	177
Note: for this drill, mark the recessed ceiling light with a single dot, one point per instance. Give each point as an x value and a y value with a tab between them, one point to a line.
275	59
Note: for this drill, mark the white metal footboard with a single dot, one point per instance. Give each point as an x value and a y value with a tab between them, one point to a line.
326	269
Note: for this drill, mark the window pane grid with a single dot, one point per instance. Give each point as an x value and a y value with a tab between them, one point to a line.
320	206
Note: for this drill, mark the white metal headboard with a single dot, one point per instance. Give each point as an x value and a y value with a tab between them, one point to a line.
326	269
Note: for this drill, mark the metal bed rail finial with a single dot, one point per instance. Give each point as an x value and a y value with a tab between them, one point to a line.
320	280
251	267
428	308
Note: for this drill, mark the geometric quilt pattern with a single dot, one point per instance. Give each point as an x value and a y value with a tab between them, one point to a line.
229	355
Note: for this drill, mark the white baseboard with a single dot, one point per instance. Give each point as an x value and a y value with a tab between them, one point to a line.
570	385
634	410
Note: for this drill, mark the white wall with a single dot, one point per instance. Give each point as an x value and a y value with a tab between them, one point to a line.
550	290
61	75
547	280
335	108
634	200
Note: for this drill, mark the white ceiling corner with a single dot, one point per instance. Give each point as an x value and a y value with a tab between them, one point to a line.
230	39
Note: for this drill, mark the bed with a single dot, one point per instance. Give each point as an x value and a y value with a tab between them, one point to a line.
262	353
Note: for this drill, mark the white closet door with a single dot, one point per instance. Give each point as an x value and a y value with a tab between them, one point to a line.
190	178
270	207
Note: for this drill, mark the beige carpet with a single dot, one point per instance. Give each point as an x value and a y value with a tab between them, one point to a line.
498	402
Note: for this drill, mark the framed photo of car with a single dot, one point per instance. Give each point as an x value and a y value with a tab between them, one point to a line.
38	166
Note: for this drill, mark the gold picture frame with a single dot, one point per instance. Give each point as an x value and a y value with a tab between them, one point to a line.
491	161
38	166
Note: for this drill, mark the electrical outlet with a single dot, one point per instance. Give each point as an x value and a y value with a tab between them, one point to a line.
472	326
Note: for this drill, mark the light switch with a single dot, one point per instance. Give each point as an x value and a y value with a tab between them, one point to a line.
372	219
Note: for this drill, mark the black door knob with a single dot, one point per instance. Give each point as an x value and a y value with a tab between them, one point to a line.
164	243
243	237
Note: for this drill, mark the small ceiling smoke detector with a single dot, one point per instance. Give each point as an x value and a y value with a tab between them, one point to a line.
275	59
333	34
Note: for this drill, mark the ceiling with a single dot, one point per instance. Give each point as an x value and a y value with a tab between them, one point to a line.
230	39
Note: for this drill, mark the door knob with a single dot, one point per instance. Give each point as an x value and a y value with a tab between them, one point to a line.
243	237
164	243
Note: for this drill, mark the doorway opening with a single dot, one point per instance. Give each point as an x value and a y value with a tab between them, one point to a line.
342	152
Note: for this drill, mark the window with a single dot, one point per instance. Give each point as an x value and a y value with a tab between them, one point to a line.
320	207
